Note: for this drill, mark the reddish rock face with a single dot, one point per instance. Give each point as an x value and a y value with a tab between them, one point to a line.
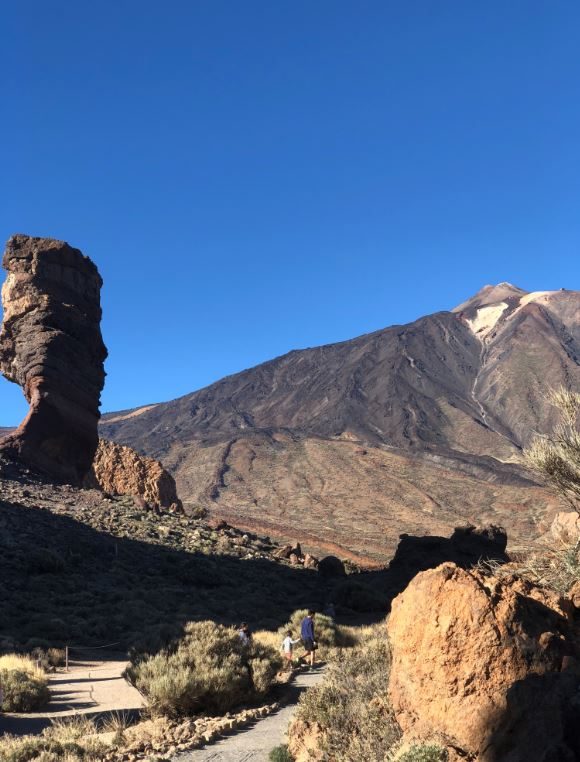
479	661
120	470
51	345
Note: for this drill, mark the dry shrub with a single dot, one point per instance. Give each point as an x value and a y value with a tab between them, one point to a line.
20	663
352	706
209	670
423	753
553	568
70	740
555	456
24	685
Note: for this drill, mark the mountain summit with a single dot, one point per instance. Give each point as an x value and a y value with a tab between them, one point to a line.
408	428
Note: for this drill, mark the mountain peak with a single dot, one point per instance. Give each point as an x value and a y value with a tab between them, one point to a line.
491	295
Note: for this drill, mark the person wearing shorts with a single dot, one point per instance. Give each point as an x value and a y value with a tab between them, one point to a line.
287	648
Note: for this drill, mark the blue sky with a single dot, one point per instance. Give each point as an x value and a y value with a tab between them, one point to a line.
253	177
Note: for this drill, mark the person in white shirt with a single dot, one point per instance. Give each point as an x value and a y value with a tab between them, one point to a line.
287	648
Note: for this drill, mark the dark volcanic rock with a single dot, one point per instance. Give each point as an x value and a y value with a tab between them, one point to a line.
331	566
51	345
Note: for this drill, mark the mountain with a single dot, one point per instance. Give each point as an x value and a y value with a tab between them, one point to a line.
408	429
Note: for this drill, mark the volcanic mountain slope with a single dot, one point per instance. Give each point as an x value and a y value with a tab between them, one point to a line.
413	427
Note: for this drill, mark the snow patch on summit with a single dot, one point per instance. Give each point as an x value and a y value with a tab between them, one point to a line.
486	319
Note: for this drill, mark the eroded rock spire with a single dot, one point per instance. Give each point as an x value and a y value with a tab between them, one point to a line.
51	345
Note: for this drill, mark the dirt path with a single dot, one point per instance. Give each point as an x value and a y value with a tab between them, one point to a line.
254	743
93	686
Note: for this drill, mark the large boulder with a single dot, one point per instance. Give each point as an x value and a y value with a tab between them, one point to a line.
478	660
120	470
331	566
565	527
51	345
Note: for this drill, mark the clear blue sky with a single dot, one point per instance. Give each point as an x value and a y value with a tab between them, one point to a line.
253	177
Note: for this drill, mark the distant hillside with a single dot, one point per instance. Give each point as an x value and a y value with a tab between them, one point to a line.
412	427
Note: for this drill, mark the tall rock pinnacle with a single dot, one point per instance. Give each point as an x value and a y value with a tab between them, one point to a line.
51	345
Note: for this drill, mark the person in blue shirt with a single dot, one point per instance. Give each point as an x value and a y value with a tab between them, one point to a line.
308	639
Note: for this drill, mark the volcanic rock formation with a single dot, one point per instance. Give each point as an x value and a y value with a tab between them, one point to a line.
51	345
480	662
120	470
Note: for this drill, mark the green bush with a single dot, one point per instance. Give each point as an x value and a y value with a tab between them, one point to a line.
209	670
424	753
280	754
23	692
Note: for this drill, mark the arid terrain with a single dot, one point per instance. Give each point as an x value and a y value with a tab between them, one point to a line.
414	428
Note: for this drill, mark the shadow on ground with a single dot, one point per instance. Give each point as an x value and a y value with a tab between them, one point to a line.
64	582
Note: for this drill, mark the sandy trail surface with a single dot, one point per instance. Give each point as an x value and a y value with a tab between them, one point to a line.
254	743
94	685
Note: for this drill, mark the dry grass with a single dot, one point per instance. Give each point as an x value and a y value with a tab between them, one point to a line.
19	663
71	740
553	568
555	456
352	706
24	684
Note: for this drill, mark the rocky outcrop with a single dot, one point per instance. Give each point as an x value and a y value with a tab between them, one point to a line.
466	547
120	470
51	345
479	661
566	527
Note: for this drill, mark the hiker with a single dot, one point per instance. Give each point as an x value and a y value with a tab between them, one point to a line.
330	611
307	636
244	634
287	647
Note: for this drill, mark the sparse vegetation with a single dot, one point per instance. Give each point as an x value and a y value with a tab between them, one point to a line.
552	568
209	670
280	754
423	753
351	705
556	455
71	740
24	684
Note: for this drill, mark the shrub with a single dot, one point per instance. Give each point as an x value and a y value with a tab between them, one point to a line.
24	684
20	663
351	705
23	692
49	658
70	740
325	629
423	753
358	596
552	568
280	754
556	457
209	670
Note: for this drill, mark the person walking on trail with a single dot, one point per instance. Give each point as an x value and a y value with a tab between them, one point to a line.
287	647
307	635
244	634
